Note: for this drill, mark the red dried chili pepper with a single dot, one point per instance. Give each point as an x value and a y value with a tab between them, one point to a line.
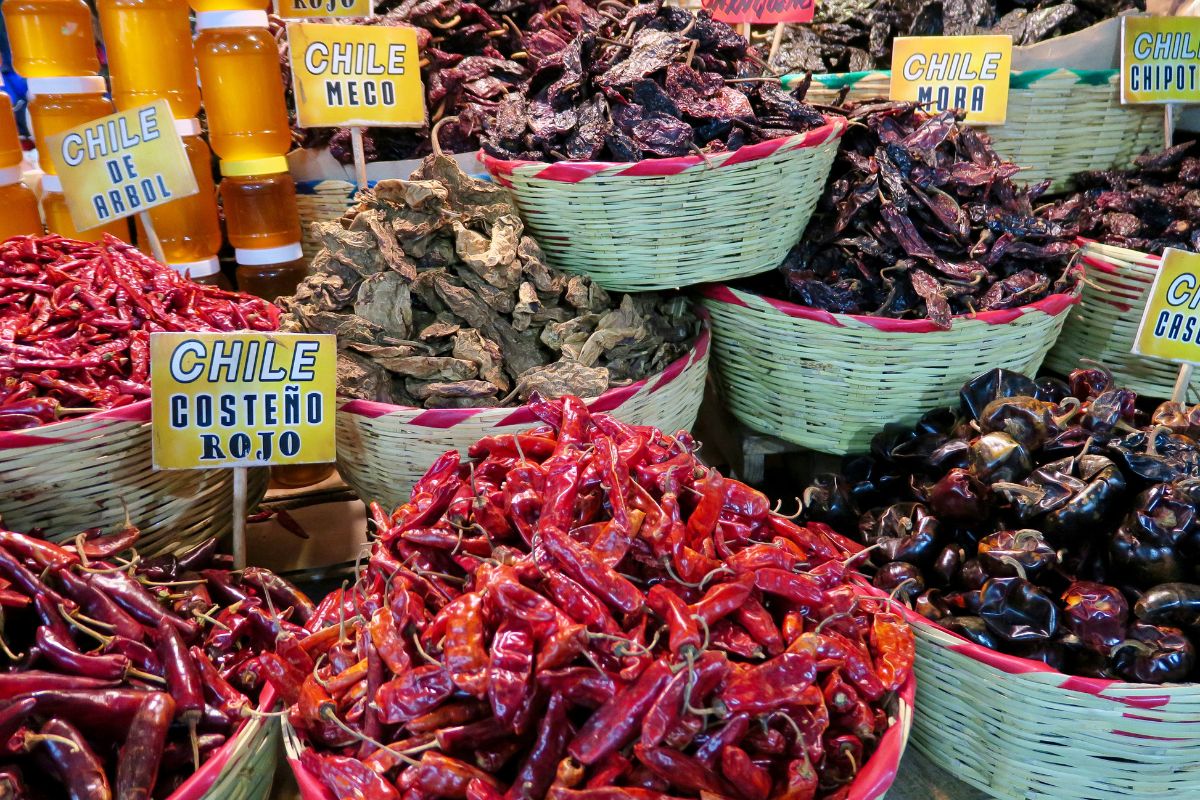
509	670
682	629
537	769
767	687
141	754
616	722
895	649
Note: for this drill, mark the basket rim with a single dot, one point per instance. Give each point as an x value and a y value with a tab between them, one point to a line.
45	434
611	399
200	781
1051	305
578	171
1092	251
871	783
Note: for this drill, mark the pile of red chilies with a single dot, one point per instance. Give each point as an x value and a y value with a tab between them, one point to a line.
76	319
124	674
586	612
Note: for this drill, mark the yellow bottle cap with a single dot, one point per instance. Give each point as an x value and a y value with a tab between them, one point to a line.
254	166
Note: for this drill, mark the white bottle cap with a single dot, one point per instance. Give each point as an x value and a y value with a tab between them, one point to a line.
206	20
187	127
10	175
51	183
83	84
198	269
260	257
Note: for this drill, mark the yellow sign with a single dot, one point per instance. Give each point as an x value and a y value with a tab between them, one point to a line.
242	399
356	75
121	165
323	9
1170	327
964	72
1160	59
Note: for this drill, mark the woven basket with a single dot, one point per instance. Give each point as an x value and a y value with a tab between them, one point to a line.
321	201
1060	122
87	471
244	767
1102	327
383	449
1019	730
872	782
672	222
829	381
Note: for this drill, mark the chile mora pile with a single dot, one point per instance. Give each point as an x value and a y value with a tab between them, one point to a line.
122	674
585	612
921	219
76	319
1046	520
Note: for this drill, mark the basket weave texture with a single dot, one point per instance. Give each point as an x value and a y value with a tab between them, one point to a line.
1104	324
87	471
321	201
673	222
244	767
1060	122
382	450
828	381
1018	730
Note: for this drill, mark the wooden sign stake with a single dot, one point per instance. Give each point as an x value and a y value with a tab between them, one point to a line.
1184	378
151	234
360	156
239	517
776	41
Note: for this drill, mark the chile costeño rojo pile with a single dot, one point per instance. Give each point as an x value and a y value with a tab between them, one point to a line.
123	675
585	611
1150	207
856	35
657	82
921	219
1052	521
439	299
76	319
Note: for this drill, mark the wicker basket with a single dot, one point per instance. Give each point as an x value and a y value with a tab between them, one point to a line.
87	471
1060	122
1104	324
321	201
244	767
872	782
829	381
1017	729
383	449
672	222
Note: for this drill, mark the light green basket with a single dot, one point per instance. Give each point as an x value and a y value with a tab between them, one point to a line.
242	769
829	381
1060	122
1018	730
1103	326
673	222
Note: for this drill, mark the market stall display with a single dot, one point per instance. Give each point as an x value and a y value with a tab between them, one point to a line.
74	412
1045	529
127	681
1125	219
926	264
666	611
442	302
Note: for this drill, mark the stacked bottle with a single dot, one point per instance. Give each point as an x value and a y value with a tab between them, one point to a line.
150	58
54	47
19	203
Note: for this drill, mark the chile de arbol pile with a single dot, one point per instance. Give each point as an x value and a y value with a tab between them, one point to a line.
1049	520
586	612
122	675
76	319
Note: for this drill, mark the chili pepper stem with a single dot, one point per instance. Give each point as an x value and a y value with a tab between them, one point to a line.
30	739
840	615
195	582
195	743
329	714
74	623
207	617
1015	565
417	642
149	677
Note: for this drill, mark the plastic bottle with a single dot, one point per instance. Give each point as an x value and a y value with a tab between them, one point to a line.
271	272
259	197
58	216
207	270
51	38
18	202
58	104
150	57
242	85
189	228
11	154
